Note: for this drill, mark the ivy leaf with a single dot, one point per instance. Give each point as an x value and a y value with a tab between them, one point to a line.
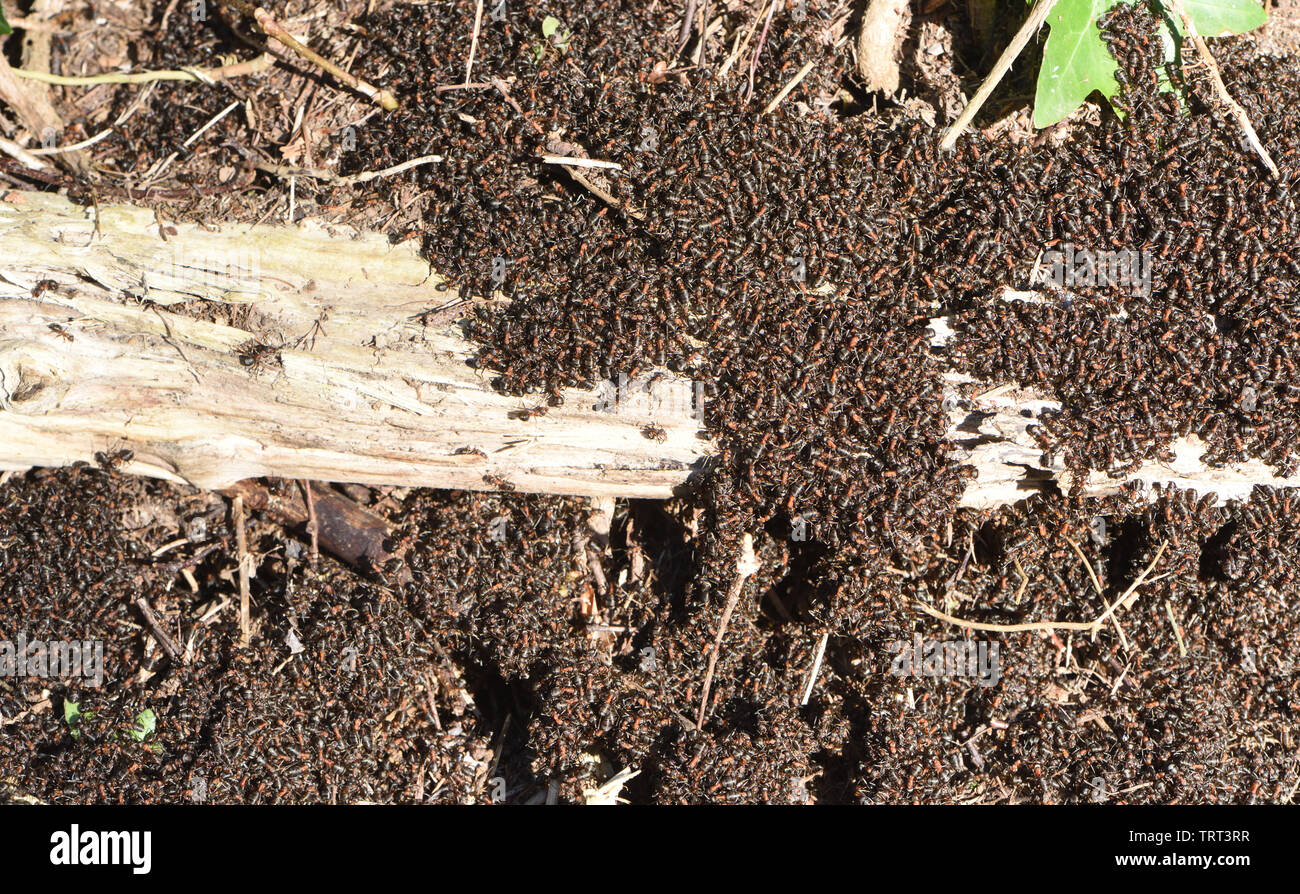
1075	61
4	26
1216	18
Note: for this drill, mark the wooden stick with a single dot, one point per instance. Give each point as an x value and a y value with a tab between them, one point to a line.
274	29
313	525
1216	79
245	596
1003	65
156	630
473	42
746	565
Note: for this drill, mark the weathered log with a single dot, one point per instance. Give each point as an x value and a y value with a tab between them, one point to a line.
219	354
223	354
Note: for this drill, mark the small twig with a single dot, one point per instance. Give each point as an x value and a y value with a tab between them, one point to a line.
785	91
330	176
75	147
758	48
1216	79
602	194
313	526
577	162
817	666
741	45
275	30
203	75
473	41
1182	646
746	565
22	156
1096	583
1132	588
703	43
433	704
1000	68
1003	628
245	598
1090	626
168	644
684	35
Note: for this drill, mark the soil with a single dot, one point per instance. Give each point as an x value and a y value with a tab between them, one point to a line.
518	652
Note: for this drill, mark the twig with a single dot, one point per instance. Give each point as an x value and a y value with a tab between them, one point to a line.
785	91
203	75
330	176
313	526
1090	626
577	162
275	30
433	704
1216	79
684	35
1096	583
22	156
758	48
741	45
74	147
1132	588
473	41
602	194
168	644
1003	628
1000	68
746	565
817	666
1182	646
241	544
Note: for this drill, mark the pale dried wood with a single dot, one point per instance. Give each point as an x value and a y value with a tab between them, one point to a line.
373	394
373	388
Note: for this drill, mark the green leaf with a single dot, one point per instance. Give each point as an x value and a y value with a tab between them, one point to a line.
145	724
550	25
73	717
1216	18
1075	61
4	26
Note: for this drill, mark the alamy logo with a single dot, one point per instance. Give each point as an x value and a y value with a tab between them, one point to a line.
53	659
677	397
978	659
1125	269
77	848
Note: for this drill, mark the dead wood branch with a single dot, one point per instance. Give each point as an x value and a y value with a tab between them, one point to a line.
218	355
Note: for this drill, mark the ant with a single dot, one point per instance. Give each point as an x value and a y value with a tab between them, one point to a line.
527	413
60	331
498	482
114	459
257	356
654	433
